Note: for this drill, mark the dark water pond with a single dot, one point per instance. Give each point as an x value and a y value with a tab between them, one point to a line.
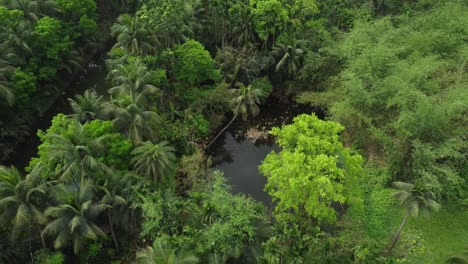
92	76
239	157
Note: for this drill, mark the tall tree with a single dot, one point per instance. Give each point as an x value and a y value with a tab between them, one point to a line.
288	58
88	107
6	91
15	35
311	172
415	199
172	20
154	160
132	78
72	218
133	35
134	120
271	18
117	190
20	201
77	155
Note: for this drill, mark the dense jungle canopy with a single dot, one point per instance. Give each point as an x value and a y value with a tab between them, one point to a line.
376	173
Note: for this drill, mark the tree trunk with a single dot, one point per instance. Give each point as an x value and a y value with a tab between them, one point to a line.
398	234
220	132
42	238
109	216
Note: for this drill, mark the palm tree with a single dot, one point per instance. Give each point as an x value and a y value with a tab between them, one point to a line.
244	33
77	155
32	9
154	160
131	118
72	61
414	199
15	36
89	106
133	36
245	101
73	216
20	201
288	58
132	78
5	88
163	253
120	213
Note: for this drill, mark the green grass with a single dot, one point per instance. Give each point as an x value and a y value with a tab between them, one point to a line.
434	239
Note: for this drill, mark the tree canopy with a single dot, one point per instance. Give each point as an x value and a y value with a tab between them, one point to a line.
312	171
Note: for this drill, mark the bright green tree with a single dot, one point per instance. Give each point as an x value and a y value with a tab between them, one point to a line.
194	64
50	44
172	20
311	172
270	18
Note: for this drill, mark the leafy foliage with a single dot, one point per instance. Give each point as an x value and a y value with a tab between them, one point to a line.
312	171
194	64
398	98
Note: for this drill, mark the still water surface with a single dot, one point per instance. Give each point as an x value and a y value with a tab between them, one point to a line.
238	157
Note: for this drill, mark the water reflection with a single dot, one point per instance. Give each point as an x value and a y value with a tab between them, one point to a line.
239	156
239	160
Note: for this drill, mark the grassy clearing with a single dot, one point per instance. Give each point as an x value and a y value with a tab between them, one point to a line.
438	237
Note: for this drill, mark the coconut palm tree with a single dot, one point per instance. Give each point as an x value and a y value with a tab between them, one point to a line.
72	218
132	79
244	32
133	36
154	160
163	252
120	213
415	199
245	101
15	37
133	120
77	155
72	61
32	9
288	58
5	89
20	204
88	107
